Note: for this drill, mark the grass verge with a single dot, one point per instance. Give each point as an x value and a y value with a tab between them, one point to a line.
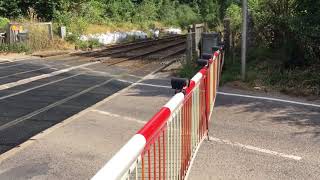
14	48
266	71
188	70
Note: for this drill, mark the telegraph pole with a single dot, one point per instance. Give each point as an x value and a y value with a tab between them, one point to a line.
244	39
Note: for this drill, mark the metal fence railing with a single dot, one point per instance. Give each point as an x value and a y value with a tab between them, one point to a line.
165	146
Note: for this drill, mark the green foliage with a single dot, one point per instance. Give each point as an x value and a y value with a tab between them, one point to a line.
72	38
3	22
147	12
231	72
84	45
186	15
209	10
92	11
291	25
270	72
188	70
16	48
120	10
167	12
10	8
234	12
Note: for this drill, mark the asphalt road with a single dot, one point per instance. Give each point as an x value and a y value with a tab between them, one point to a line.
252	138
31	106
78	147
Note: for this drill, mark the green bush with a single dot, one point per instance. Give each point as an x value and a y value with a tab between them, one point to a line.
16	48
234	12
146	11
72	38
3	23
167	12
231	70
186	15
84	45
209	10
188	70
120	11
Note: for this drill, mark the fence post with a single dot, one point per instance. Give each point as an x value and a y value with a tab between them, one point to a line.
10	35
189	48
50	30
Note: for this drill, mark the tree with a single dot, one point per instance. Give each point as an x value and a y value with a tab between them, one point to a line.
167	12
209	10
186	15
10	8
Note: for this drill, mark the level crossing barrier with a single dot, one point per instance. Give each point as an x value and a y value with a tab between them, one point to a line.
165	146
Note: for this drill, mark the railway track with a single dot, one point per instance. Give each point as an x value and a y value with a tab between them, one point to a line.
131	46
136	50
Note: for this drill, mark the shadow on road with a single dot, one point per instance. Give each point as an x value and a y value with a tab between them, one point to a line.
306	118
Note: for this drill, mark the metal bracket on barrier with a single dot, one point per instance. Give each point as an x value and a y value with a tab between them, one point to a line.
206	56
215	48
202	62
220	47
179	84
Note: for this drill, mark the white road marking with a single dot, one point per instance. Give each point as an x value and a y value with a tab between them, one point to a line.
35	78
36	87
24	72
253	148
57	103
109	74
118	116
4	67
6	61
145	84
270	99
154	85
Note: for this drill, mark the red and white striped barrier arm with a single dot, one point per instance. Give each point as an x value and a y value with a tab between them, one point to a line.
165	146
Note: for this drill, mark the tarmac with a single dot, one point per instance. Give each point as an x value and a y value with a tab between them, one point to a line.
260	137
79	146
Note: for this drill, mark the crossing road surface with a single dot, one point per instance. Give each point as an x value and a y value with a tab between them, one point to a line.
37	94
253	138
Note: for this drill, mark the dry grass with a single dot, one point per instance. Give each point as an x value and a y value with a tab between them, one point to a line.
39	39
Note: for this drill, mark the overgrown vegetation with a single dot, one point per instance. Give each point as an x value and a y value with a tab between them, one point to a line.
188	70
265	71
3	23
97	16
76	15
284	45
